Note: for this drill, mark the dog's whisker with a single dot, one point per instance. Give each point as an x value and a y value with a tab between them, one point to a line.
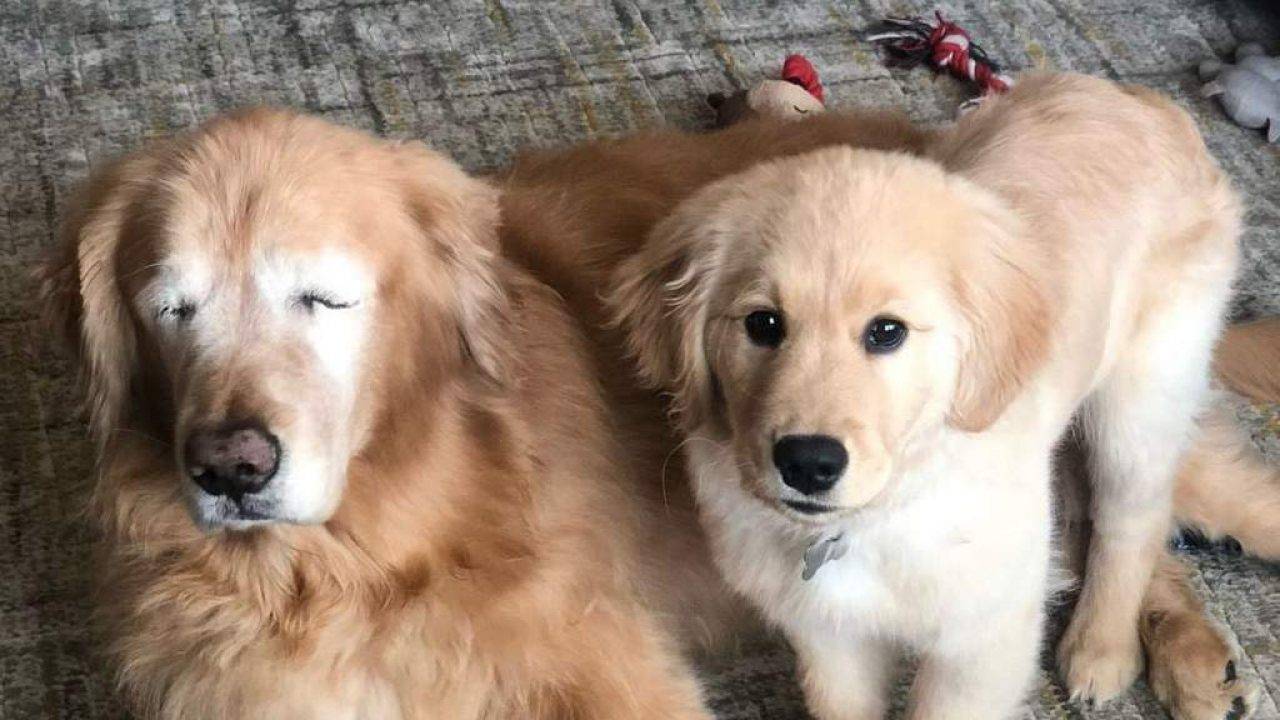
140	270
145	435
666	463
666	501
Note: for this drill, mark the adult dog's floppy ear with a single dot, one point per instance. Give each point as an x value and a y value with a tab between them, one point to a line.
660	297
1002	288
80	288
459	217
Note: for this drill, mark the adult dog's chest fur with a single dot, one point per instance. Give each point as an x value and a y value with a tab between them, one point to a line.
322	659
254	630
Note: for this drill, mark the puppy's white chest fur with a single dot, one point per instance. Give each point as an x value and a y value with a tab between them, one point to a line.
954	544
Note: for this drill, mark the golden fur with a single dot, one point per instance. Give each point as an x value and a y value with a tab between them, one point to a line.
1248	358
1174	288
1225	487
618	191
489	553
1189	663
476	566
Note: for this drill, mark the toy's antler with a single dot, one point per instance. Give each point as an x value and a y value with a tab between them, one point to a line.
797	70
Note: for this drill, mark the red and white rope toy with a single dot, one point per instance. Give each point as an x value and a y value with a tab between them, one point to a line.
946	46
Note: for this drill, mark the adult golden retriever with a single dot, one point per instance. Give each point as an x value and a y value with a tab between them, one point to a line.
352	463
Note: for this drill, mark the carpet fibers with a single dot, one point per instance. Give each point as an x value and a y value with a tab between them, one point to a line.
83	79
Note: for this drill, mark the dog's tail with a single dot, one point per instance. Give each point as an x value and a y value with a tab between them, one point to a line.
1248	360
1225	487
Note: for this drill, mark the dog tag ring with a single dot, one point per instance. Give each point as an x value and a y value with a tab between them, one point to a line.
821	551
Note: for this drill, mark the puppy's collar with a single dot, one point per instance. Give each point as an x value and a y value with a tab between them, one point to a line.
829	546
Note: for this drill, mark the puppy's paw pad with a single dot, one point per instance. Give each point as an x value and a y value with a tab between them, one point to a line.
1234	699
1244	698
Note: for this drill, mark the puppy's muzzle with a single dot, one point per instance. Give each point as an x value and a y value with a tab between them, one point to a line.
811	464
235	459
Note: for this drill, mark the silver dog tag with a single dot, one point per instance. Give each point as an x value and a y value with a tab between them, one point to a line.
821	551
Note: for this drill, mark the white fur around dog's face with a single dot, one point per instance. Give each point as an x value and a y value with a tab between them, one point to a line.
829	268
280	337
260	304
237	276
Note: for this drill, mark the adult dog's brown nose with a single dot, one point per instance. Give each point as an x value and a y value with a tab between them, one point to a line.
236	459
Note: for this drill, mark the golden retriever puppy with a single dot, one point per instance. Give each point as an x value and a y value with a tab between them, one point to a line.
352	463
873	357
574	215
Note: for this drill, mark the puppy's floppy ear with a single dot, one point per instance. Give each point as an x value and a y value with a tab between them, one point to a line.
459	217
661	298
1004	291
80	288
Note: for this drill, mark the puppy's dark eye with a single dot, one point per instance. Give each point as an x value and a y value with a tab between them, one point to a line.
311	299
884	335
765	328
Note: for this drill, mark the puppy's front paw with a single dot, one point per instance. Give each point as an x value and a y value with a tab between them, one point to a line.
1097	666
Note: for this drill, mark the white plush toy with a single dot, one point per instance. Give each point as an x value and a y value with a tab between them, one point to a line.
1249	90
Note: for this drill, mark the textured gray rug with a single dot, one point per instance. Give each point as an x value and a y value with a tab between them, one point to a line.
478	79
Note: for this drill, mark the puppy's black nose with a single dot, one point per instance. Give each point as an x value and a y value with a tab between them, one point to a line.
236	459
810	463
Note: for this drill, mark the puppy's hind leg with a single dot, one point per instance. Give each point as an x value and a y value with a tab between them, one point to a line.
1136	427
1190	663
